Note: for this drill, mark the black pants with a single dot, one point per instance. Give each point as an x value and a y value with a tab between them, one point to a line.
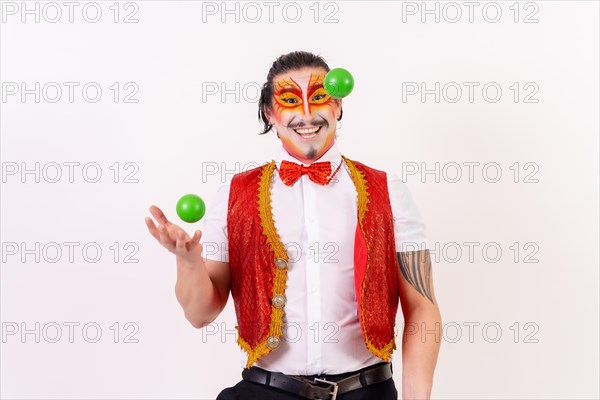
244	390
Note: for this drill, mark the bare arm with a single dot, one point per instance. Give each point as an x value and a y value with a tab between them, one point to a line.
202	289
422	334
202	286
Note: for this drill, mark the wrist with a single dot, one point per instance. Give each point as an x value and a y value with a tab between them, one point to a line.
189	264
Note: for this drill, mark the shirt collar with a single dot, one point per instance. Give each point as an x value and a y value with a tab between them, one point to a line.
333	155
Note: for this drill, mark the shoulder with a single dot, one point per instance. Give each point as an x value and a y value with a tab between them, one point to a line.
393	178
363	166
396	184
400	193
367	170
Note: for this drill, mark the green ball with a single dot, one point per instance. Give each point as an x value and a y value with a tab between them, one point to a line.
191	208
338	83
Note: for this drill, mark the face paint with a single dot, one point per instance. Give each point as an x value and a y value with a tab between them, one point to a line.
304	114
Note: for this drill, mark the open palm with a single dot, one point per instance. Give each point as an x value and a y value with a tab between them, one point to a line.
174	238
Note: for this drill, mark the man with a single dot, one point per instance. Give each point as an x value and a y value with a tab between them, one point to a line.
320	250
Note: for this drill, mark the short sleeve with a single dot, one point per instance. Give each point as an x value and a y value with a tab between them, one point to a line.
214	226
409	228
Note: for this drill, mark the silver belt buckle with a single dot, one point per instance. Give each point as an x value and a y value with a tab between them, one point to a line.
334	384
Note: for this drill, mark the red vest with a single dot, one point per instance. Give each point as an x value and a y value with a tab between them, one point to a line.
258	262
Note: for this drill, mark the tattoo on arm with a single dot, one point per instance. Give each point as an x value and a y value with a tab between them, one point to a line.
416	269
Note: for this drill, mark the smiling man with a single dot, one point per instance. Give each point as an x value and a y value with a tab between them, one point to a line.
322	249
304	114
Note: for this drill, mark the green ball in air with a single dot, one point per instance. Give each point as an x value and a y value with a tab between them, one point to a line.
191	208
338	83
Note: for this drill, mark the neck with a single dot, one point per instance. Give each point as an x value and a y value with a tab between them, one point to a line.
306	160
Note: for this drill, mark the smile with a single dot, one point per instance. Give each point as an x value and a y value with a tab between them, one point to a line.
308	133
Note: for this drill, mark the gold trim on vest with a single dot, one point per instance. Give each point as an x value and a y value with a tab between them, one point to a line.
265	213
362	190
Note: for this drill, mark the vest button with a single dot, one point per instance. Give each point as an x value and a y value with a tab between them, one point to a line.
278	301
281	263
273	342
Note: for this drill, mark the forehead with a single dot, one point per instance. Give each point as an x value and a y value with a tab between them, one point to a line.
301	76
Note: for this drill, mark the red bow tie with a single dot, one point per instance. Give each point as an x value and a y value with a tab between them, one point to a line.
318	172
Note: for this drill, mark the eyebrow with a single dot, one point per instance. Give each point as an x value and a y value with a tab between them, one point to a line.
284	86
315	83
287	90
314	86
295	90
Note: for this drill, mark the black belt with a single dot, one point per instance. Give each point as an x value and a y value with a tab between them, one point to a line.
316	388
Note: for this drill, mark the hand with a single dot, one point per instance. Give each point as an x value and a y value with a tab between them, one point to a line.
174	238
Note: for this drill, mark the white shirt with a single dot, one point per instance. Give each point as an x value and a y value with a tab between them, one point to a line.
317	225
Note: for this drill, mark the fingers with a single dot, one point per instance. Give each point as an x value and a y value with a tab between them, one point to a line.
165	238
181	242
152	228
159	215
169	235
194	241
162	232
196	238
185	245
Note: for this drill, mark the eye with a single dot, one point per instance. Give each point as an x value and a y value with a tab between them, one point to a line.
288	99
320	96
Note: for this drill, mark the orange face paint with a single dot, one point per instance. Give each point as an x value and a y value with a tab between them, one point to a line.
301	102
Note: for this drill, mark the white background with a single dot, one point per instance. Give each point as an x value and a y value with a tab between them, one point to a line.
173	136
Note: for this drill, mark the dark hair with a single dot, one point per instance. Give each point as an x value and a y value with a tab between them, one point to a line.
284	63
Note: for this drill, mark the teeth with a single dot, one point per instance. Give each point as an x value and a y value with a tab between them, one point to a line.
307	130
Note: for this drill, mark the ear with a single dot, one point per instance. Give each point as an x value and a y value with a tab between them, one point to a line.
269	114
339	108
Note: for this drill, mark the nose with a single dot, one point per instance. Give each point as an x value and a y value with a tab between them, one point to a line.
307	110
